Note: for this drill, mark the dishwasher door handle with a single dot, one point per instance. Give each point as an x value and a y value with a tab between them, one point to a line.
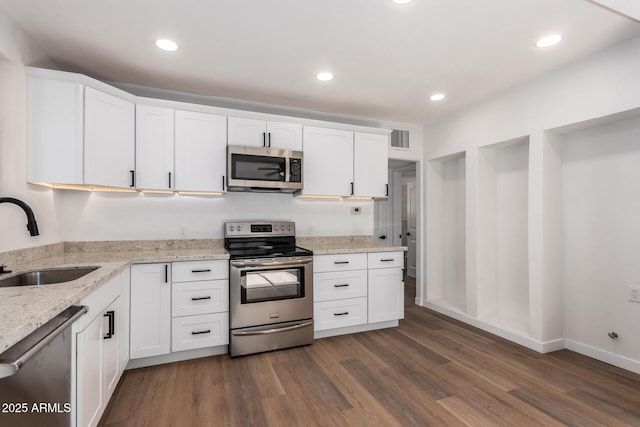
9	369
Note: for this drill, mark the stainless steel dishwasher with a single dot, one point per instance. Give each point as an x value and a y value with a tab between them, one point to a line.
35	375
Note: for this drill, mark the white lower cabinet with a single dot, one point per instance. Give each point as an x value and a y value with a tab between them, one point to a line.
339	313
352	290
386	288
150	310
200	299
204	330
99	337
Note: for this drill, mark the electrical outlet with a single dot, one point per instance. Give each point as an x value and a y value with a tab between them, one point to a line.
634	293
182	231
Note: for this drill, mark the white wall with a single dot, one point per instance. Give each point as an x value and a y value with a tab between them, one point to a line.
591	91
601	208
17	50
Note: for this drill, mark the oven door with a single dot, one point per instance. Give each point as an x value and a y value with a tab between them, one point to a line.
268	291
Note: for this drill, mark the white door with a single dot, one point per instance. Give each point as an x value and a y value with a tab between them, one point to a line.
248	132
150	321
370	165
154	148
201	151
328	162
109	140
285	136
412	233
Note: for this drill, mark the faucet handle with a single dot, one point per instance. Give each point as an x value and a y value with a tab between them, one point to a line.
2	269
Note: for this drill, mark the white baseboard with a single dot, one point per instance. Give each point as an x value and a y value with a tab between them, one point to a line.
515	336
539	346
177	357
604	356
354	329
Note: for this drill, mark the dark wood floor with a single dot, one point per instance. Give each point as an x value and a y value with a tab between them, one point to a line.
429	371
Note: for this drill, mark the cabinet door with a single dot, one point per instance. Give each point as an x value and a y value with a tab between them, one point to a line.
370	164
386	295
89	377
201	151
150	310
154	148
111	351
248	132
56	129
109	139
285	136
328	162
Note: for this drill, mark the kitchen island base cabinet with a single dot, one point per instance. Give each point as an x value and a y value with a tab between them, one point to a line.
150	310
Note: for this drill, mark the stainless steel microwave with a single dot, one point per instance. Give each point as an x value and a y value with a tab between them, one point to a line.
263	169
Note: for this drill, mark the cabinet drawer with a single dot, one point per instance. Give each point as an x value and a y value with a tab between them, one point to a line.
339	285
386	259
191	298
205	330
191	271
338	314
341	262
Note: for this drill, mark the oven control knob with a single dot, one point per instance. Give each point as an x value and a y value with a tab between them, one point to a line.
289	227
276	227
231	228
239	228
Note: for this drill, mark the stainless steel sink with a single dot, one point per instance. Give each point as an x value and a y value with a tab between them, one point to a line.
47	276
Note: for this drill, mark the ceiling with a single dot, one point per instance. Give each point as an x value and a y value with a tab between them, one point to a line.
387	59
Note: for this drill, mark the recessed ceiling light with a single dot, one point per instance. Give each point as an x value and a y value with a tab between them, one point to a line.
549	40
402	1
437	97
324	77
168	45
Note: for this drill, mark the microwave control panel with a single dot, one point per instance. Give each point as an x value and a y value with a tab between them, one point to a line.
295	170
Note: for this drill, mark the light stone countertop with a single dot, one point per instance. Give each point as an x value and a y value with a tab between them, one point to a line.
24	309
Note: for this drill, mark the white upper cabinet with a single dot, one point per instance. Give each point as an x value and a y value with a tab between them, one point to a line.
286	136
260	133
56	111
200	151
370	164
328	162
154	148
109	140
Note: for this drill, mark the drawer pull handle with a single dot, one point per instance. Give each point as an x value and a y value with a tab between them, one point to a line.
344	313
208	270
387	260
201	332
341	262
200	298
342	285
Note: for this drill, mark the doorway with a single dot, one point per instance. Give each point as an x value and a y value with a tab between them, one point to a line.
396	218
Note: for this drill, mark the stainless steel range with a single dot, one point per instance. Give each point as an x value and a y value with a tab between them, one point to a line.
271	287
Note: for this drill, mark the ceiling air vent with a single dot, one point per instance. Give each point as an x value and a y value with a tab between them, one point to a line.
400	138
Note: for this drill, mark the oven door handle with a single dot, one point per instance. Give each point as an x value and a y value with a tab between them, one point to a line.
273	330
275	263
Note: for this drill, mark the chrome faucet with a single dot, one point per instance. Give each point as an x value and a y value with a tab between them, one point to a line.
32	226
